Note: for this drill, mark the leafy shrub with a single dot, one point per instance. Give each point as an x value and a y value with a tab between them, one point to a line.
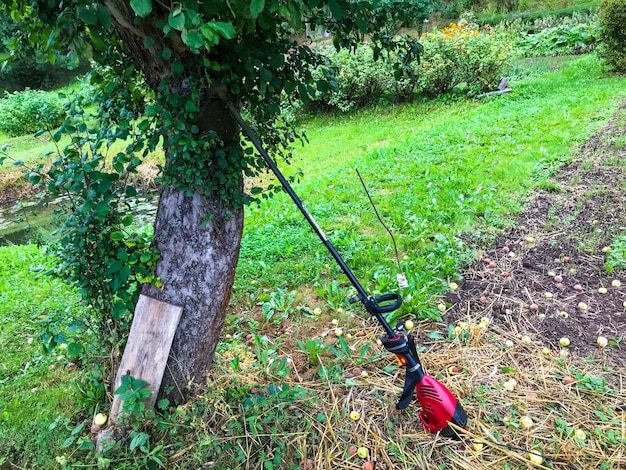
560	40
23	112
462	53
532	25
612	15
360	80
487	18
458	54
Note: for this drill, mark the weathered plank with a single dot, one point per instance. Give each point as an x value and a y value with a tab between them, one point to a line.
148	347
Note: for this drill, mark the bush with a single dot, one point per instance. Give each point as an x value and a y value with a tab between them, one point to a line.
559	40
462	54
360	80
455	55
23	112
612	14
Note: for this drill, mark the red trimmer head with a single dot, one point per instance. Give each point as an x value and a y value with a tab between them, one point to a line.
440	408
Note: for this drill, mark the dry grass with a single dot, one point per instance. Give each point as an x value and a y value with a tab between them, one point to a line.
397	440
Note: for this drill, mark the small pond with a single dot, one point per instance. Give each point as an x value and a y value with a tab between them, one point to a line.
24	222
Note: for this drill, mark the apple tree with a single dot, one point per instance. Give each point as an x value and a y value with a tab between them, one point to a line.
160	68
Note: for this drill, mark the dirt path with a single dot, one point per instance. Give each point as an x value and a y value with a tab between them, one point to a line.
546	277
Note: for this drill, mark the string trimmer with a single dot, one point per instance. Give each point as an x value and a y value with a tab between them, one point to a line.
439	406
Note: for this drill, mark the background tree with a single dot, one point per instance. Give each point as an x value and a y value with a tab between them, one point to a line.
163	65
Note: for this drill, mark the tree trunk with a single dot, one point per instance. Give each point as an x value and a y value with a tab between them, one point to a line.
197	268
198	237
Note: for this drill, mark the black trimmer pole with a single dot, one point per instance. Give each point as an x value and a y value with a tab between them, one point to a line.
439	407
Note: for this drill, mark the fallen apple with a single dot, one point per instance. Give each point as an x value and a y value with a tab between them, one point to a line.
441	307
317	311
453	286
582	306
536	459
526	422
100	419
545	351
565	342
477	446
362	452
364	374
408	325
616	283
509	385
580	434
602	341
354	415
485	321
508	343
526	339
602	290
338	332
334	321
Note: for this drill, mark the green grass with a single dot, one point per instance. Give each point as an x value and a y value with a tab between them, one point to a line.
32	396
438	171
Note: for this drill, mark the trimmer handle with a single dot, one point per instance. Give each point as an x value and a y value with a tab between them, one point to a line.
374	304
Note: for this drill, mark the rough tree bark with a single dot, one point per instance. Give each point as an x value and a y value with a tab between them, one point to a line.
197	268
198	259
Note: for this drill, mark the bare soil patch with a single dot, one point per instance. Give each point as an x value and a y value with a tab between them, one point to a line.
534	279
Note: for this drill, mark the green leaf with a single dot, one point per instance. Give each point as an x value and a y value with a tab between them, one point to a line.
226	30
78	429
117	235
210	35
74	349
336	9
176	21
68	442
163	404
435	335
88	16
256	7
194	40
138	440
142	8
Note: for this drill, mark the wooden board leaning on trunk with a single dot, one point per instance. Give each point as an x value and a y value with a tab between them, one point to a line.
148	347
